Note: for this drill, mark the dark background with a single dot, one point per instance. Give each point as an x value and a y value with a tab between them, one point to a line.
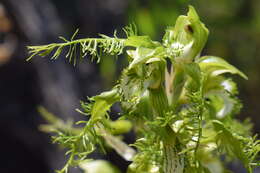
234	35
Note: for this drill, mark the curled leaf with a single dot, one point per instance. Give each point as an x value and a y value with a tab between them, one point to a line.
215	66
140	41
190	33
145	55
222	103
102	104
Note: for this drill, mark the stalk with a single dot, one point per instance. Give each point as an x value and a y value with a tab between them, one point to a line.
159	101
172	162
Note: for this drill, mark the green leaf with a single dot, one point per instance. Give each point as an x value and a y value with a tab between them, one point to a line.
230	86
218	83
168	37
119	126
179	34
190	33
245	149
119	146
199	32
222	103
193	70
179	79
140	41
215	66
102	104
142	55
228	141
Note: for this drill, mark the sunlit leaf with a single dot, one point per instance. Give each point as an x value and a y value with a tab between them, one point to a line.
222	103
102	104
178	84
120	126
216	66
190	32
142	55
140	41
193	70
244	149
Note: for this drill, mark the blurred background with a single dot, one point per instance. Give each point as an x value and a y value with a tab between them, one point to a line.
234	35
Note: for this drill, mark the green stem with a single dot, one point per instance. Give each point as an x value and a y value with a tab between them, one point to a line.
178	82
159	101
68	43
173	162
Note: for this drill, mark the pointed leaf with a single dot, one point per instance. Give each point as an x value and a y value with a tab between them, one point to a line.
191	33
215	66
230	86
177	85
140	41
120	126
222	103
243	148
102	104
193	70
142	55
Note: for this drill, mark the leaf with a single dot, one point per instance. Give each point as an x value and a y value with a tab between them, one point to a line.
230	86
49	117
226	138
179	79
46	53
120	147
199	32
193	70
214	83
140	41
110	96
120	126
189	32
245	149
140	55
143	55
102	104
215	66
180	35
168	36
222	103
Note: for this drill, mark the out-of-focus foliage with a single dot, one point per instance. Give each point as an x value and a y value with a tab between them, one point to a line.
98	166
